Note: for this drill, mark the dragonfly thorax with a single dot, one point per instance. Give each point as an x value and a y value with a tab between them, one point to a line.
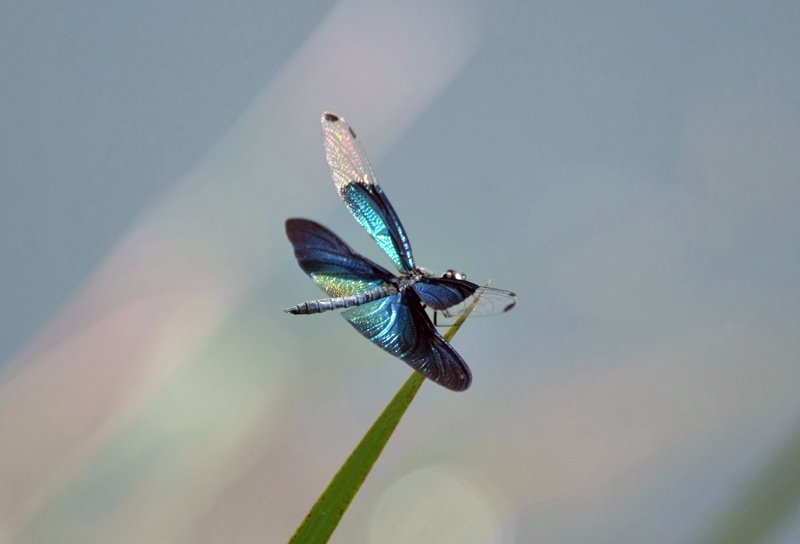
418	273
407	280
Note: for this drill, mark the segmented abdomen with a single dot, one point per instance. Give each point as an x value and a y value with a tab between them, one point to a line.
325	304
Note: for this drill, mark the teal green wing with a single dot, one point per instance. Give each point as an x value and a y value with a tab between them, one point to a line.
356	184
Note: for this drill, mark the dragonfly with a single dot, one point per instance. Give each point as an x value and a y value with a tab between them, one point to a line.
387	309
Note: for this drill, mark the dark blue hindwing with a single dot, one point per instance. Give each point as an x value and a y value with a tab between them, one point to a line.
334	267
399	325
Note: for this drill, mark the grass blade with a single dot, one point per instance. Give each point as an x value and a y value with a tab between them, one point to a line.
324	516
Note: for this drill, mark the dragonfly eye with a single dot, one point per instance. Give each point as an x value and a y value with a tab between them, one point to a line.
454	275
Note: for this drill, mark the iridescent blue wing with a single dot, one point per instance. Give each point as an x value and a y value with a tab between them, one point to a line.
442	293
334	267
356	184
398	324
453	296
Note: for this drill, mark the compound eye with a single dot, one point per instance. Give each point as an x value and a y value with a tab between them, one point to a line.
454	275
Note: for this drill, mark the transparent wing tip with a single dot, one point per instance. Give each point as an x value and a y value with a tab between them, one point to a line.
330	118
512	303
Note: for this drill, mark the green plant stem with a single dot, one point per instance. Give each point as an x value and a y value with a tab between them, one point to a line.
324	516
332	504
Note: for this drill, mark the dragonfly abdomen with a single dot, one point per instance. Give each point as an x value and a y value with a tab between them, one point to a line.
325	304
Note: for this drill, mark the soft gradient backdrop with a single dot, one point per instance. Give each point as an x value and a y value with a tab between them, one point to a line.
630	169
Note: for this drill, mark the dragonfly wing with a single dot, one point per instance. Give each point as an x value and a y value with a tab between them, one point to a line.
492	301
399	325
442	293
453	296
334	267
356	184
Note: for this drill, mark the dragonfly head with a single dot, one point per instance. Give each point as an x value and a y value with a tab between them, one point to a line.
454	275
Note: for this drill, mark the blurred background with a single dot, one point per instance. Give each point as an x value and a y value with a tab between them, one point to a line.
630	169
